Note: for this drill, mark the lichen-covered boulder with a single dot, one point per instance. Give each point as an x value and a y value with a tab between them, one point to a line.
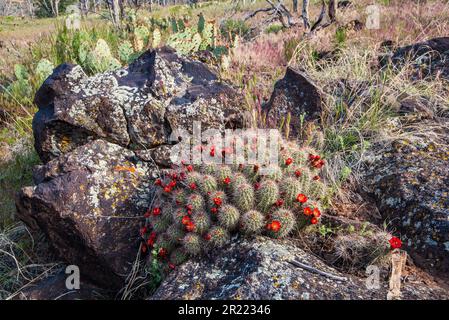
261	269
410	183
89	202
136	107
294	96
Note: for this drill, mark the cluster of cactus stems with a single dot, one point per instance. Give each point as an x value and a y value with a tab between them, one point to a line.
199	207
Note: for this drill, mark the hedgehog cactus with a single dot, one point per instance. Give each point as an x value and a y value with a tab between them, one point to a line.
201	206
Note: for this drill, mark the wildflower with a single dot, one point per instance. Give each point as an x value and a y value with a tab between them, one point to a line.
218	201
227	180
301	198
156	211
395	243
275	226
189	168
185	220
192	186
298	173
289	161
314	220
316	212
190	226
307	211
279	202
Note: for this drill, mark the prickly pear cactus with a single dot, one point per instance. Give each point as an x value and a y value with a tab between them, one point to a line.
156	38
185	42
125	51
207	36
44	68
100	58
199	207
141	36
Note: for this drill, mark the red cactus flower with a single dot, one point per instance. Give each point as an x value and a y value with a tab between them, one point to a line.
171	266
192	186
289	161
172	184
316	178
162	252
190	226
395	243
189	207
302	198
182	176
298	173
227	180
153	235
189	212
156	211
314	220
268	226
158	182
279	202
218	201
167	189
189	168
307	211
214	210
143	230
207	237
275	226
147	214
318	164
316	212
257	186
150	243
174	176
185	220
212	152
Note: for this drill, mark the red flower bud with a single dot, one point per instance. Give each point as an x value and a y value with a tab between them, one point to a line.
192	186
279	202
275	226
189	168
190	226
156	211
289	161
185	220
162	252
227	180
316	213
316	178
314	220
167	189
158	182
207	237
298	173
218	201
214	210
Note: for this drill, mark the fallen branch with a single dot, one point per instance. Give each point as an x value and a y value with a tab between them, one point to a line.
314	270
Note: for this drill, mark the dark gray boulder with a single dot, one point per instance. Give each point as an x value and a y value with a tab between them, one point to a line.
409	181
260	269
90	204
136	107
297	95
